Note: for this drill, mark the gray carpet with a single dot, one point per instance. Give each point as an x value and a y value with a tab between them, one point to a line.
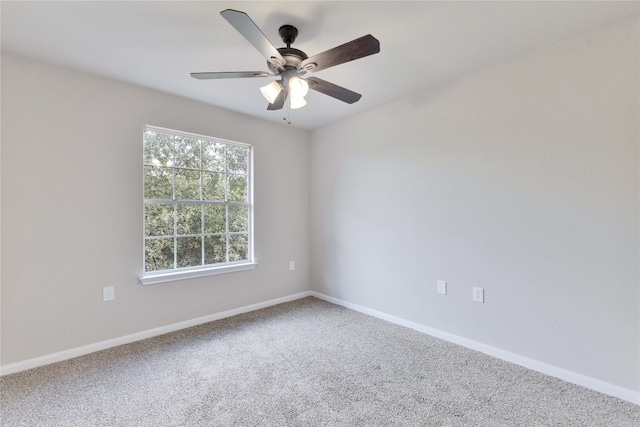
303	363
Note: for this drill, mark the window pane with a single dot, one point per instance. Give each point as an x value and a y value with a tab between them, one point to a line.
238	247
187	184
237	159
214	219
215	249
187	153
189	251
158	220
212	186
158	254
238	218
213	156
237	188
182	175
158	183
158	148
188	219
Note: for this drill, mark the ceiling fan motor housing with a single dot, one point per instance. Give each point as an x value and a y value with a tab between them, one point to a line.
293	57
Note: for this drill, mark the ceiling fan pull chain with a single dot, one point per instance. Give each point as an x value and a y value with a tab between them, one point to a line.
287	111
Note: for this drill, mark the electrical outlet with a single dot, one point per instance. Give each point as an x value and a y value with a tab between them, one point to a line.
478	294
292	265
442	287
108	293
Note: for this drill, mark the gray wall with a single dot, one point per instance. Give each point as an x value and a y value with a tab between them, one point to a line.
72	210
521	179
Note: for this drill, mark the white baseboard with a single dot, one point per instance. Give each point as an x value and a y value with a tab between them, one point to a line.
563	374
103	345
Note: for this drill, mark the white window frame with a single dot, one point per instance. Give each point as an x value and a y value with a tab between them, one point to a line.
161	276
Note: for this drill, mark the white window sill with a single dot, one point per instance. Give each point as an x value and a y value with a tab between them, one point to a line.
152	279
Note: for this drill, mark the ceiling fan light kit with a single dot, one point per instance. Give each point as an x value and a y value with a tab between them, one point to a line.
296	103
298	87
290	64
271	91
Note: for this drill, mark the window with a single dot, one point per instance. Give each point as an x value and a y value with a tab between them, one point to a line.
197	205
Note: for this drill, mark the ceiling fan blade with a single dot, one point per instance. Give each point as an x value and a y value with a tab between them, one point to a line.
355	49
279	101
335	91
245	26
230	75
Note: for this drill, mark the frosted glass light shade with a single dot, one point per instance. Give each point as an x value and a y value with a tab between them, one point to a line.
298	87
271	91
297	102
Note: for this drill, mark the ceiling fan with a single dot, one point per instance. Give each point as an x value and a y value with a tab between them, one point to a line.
290	64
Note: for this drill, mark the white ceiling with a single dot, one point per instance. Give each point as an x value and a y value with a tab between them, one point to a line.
157	44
